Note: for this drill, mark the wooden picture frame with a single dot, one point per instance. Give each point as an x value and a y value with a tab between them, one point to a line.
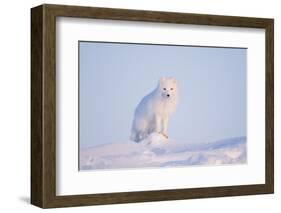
43	105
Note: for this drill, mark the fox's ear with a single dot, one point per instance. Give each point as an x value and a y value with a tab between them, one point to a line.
174	80
162	80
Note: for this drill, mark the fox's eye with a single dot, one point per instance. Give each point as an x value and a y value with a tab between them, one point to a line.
164	88
171	88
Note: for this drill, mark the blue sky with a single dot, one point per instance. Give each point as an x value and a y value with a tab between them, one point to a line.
114	77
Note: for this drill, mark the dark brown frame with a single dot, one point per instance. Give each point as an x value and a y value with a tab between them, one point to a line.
43	105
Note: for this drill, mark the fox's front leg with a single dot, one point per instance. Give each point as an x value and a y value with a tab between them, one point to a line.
165	126
158	124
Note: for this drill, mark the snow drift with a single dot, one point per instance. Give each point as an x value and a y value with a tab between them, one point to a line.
156	151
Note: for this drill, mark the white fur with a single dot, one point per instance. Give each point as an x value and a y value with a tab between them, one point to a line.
153	112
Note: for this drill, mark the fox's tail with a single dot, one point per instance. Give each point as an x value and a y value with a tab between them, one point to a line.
133	136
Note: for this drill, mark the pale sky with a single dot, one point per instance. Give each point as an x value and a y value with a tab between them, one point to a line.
114	77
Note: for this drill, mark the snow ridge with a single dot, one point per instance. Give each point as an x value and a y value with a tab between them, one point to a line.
157	151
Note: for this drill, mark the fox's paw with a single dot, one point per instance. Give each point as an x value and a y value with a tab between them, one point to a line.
166	136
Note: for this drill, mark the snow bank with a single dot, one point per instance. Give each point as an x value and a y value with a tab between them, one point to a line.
157	151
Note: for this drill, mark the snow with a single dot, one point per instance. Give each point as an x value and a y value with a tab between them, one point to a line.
157	151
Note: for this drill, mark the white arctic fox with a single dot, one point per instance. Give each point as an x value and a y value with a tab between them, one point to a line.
153	112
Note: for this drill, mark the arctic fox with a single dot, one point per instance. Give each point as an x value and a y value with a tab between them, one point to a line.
153	112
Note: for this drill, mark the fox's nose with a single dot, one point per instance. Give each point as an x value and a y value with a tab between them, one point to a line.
168	95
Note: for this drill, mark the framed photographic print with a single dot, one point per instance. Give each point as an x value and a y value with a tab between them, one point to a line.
136	106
